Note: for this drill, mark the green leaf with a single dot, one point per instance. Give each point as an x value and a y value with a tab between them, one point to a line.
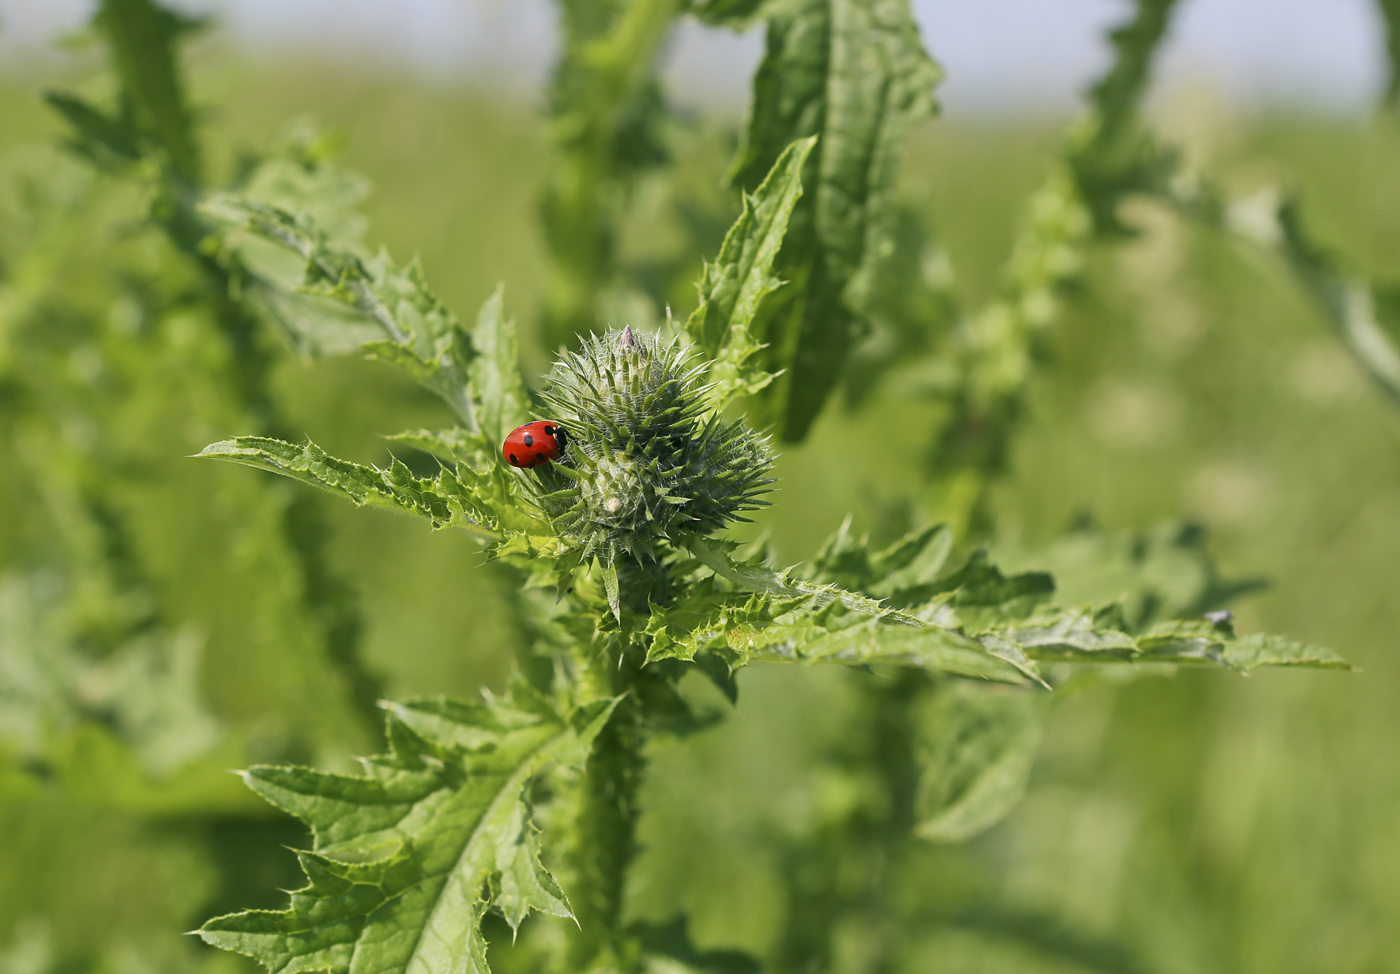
102	139
758	578
454	444
912	571
1165	572
734	286
778	618
1111	154
1259	649
409	856
424	337
445	501
954	623
494	372
855	73
976	751
1096	634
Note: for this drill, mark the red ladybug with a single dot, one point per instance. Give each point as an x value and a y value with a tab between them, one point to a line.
534	444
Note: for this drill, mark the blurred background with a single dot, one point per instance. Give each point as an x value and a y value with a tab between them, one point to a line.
1201	823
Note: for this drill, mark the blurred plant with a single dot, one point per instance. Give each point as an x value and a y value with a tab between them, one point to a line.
620	579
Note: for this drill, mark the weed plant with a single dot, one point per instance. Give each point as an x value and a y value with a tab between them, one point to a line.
504	832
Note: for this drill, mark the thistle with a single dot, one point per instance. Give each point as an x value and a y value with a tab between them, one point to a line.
645	464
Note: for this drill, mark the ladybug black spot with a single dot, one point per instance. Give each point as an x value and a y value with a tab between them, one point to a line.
529	440
548	430
513	460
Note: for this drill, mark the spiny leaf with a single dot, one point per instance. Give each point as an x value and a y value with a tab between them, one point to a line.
454	444
855	73
409	856
424	337
1095	634
734	286
913	571
445	501
494	372
977	623
788	619
766	581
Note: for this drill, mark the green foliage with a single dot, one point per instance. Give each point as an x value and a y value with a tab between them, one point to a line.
620	583
854	74
734	287
409	857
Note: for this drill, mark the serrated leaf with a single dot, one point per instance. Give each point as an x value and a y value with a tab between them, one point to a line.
1097	634
975	757
423	336
445	501
855	73
453	444
795	621
734	286
494	372
973	621
1260	649
409	856
912	571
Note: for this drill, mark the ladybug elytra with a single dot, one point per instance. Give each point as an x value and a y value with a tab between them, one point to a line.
534	444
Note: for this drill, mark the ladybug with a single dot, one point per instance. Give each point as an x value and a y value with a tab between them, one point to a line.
534	444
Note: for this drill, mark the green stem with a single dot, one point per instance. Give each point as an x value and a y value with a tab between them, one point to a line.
605	825
142	41
605	101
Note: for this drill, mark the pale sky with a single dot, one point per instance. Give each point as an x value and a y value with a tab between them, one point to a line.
1005	55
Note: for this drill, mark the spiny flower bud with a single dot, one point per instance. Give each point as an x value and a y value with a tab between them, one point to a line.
644	463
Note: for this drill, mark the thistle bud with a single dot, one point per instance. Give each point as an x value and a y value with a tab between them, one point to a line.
647	460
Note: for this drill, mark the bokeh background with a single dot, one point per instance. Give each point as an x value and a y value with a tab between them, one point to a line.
1207	822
